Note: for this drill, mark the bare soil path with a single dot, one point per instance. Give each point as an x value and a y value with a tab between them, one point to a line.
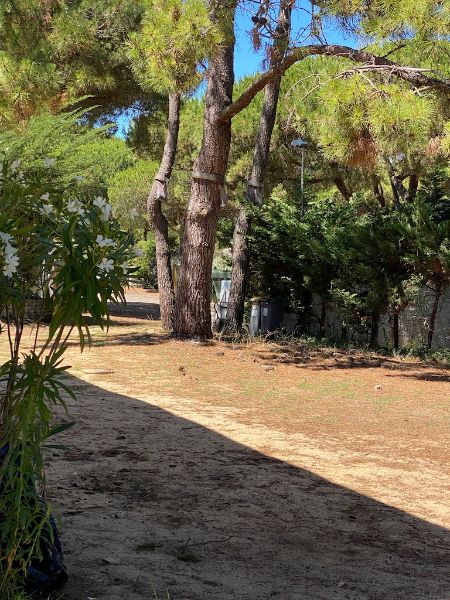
251	472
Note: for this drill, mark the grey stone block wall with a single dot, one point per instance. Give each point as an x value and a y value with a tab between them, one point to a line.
413	323
415	318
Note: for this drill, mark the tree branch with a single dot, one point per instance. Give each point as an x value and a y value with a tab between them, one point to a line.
414	76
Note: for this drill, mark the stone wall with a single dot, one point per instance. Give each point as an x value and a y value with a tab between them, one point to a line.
413	323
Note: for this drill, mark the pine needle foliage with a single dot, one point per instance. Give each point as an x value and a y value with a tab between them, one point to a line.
76	150
401	19
169	54
58	50
358	118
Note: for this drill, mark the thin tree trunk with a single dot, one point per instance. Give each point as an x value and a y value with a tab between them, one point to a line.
399	191
374	329
434	309
323	316
193	294
340	184
396	331
158	220
239	277
254	192
413	184
378	190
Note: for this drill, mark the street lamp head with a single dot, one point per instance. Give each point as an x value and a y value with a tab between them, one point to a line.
299	143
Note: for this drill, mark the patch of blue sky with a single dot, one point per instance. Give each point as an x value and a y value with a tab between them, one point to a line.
248	62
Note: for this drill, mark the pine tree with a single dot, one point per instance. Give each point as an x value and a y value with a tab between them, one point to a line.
167	54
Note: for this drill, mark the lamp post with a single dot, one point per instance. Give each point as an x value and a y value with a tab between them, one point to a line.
299	143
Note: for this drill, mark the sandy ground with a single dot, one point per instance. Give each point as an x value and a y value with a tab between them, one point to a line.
250	472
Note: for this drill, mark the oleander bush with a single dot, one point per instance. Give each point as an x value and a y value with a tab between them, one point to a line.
66	249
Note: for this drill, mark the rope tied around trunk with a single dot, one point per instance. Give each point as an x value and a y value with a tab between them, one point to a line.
161	188
256	193
215	179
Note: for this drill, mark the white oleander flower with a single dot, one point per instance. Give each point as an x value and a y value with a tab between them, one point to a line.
75	206
106	265
105	242
79	178
125	267
45	196
106	212
133	214
10	257
5	237
139	252
10	266
15	165
46	209
99	202
49	162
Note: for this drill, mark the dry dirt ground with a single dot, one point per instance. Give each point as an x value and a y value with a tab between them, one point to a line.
250	472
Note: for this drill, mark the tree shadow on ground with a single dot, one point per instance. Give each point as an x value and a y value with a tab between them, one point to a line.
124	339
153	501
428	376
326	359
135	310
130	312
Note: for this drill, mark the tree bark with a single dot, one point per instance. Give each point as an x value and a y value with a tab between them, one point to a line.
193	294
396	331
437	296
413	185
158	220
239	277
254	191
398	190
323	316
340	184
375	320
378	190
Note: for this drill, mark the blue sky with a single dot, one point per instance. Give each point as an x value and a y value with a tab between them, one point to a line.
247	61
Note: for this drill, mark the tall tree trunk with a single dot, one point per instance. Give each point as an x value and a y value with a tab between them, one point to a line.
437	296
396	331
374	329
399	191
254	192
239	277
340	184
323	316
413	185
193	294
158	220
378	190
